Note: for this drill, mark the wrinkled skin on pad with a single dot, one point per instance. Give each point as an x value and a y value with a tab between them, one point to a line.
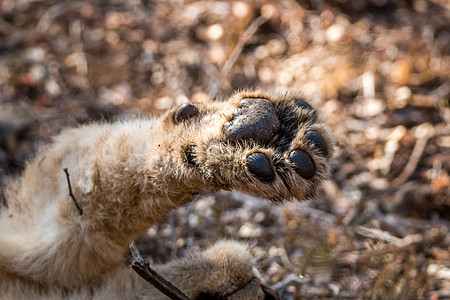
254	119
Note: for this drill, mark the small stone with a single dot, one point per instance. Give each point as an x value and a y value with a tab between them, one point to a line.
214	32
249	230
335	33
241	9
163	103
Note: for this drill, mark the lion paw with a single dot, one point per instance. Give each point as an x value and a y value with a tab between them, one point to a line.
266	143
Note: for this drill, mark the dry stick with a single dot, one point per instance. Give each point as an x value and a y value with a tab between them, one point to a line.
80	210
54	12
417	152
292	278
3	201
235	54
142	267
377	234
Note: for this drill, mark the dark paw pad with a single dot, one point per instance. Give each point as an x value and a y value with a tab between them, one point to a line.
303	104
318	140
304	166
255	119
185	112
260	166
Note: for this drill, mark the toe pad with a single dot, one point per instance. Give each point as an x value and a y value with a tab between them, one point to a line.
185	112
318	140
260	166
303	104
304	166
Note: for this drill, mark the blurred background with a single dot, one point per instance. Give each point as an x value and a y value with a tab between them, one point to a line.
377	71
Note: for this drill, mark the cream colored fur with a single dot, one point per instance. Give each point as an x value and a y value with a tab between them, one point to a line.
126	176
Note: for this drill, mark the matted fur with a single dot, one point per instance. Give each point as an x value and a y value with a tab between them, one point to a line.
126	176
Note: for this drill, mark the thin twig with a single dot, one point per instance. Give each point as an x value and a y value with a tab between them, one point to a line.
389	222
235	54
359	255
417	152
377	234
292	278
3	201
80	210
387	237
55	11
142	267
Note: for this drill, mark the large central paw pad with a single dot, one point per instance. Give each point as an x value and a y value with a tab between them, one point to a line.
255	119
